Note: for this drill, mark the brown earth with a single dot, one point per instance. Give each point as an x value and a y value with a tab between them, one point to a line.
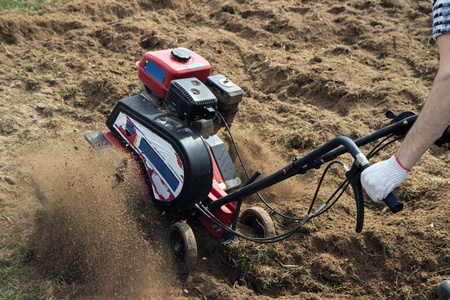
310	71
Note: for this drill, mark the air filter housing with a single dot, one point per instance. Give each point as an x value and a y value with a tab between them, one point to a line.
190	99
228	94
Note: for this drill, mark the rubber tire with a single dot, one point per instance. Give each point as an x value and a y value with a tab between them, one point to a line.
259	222
183	243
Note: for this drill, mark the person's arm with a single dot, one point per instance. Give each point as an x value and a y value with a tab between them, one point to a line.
382	178
435	115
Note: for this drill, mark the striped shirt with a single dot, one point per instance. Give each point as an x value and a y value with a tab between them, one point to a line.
441	17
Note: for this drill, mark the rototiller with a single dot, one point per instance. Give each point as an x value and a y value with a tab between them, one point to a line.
170	128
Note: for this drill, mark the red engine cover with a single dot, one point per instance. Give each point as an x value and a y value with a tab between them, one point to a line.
158	68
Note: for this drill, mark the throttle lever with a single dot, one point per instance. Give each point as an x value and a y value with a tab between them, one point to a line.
354	177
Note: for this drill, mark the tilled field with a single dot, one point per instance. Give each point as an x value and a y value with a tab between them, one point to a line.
310	71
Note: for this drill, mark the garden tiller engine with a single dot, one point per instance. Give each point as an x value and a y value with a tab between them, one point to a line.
170	128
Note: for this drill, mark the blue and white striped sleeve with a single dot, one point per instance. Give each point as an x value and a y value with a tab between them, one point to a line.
441	17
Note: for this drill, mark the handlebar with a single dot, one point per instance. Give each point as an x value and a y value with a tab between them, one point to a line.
326	153
444	138
312	160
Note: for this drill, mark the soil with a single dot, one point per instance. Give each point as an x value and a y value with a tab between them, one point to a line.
310	71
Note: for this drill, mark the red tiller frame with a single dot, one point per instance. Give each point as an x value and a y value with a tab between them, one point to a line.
224	213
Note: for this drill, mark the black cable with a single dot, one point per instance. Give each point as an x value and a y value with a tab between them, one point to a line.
287	234
374	152
378	145
234	144
320	182
246	173
346	183
259	195
322	209
274	239
279	237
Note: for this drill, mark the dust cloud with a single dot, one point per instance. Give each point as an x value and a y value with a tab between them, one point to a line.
93	230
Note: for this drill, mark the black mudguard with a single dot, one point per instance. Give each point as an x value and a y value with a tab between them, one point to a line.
177	162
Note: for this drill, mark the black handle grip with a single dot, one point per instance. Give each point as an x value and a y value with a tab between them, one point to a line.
393	202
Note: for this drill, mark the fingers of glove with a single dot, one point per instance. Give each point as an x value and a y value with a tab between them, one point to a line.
382	178
376	185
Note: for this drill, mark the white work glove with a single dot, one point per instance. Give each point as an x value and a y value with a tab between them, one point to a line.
380	179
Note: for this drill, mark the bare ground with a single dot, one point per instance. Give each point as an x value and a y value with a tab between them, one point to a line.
310	71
